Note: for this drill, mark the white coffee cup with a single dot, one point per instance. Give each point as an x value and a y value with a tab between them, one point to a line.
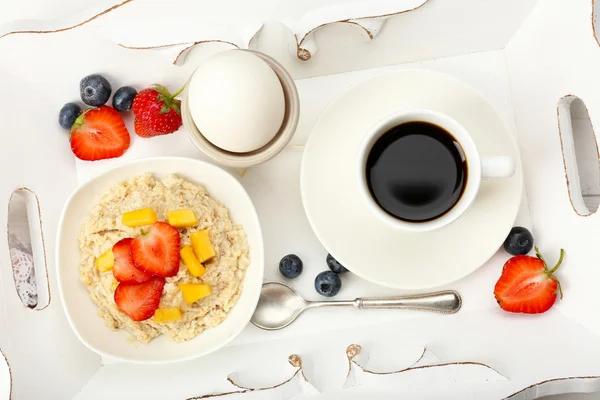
478	167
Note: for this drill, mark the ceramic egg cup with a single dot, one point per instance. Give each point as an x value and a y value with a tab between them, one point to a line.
268	151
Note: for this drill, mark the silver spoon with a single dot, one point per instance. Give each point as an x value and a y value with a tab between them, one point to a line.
279	305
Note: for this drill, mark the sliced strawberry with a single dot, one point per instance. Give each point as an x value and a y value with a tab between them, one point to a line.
156	251
142	130
527	286
139	301
99	133
124	270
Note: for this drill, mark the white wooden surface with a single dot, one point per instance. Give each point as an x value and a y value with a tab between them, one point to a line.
567	55
468	336
275	190
472	335
437	29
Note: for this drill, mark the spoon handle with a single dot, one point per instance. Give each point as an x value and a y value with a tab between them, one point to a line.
446	302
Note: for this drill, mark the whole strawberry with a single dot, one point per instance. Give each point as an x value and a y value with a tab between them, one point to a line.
142	130
157	111
527	285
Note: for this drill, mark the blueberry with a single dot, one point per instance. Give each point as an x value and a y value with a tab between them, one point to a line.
334	265
290	266
94	90
123	98
68	114
519	241
328	283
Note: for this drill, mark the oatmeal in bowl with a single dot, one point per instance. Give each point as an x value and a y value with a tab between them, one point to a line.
167	260
145	201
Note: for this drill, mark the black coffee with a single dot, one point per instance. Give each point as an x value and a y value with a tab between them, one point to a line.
416	171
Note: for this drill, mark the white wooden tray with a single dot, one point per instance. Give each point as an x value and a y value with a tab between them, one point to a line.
42	71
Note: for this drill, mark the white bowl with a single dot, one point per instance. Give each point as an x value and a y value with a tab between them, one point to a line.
82	312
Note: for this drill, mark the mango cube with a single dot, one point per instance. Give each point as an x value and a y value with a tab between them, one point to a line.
191	261
182	218
141	217
167	314
201	245
114	286
106	261
193	292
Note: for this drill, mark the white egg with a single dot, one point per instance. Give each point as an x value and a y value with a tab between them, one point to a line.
236	101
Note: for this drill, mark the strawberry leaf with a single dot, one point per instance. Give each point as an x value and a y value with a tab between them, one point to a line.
162	90
168	99
165	108
79	121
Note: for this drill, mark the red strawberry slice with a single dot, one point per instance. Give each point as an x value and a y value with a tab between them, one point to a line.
527	286
139	301
156	251
142	130
124	270
99	133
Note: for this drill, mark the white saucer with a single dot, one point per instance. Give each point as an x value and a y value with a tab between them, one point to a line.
365	244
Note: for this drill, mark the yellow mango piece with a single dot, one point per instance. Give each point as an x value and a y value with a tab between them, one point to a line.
106	261
114	286
167	314
191	261
193	292
144	216
182	218
201	245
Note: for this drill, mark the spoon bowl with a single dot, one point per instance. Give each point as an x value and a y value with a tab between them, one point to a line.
279	305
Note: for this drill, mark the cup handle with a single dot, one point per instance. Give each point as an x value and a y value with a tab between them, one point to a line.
497	167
